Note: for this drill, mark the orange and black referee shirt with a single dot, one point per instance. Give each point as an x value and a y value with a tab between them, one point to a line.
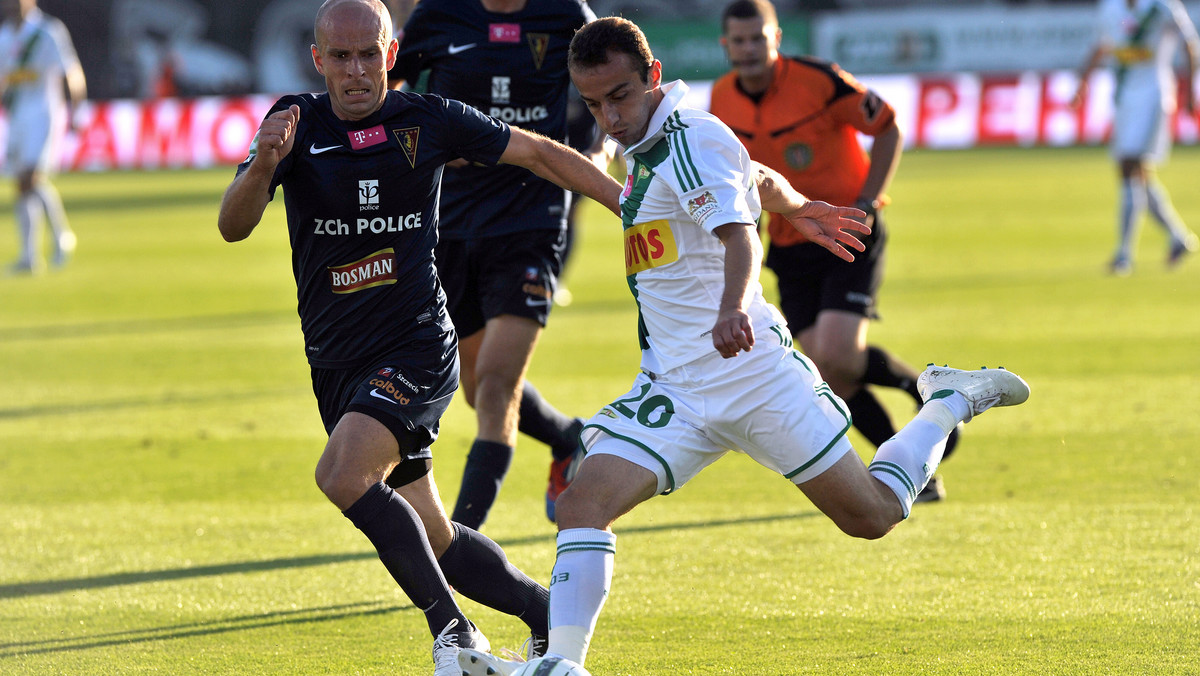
805	127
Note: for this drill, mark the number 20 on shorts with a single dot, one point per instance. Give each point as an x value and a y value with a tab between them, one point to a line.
653	412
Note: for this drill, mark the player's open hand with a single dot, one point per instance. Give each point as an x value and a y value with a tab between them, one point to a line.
732	333
831	227
277	135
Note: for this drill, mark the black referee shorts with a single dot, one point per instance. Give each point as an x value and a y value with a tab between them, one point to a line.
812	279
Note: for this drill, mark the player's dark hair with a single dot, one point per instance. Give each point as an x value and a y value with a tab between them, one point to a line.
592	44
749	9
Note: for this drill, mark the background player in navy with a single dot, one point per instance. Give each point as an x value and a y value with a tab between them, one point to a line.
361	169
503	233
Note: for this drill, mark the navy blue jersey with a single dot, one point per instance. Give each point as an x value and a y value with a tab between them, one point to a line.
362	214
514	68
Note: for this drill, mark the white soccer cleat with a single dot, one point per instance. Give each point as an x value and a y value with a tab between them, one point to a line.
448	644
1182	248
982	389
64	248
475	662
535	646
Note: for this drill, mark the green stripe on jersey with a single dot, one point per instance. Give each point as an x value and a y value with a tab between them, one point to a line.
10	95
643	172
642	175
1137	39
681	155
1139	34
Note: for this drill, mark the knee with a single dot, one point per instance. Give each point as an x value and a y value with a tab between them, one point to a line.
326	479
574	510
567	513
496	380
336	484
841	372
869	521
869	527
26	182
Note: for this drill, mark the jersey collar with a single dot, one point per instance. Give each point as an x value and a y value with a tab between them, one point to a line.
673	93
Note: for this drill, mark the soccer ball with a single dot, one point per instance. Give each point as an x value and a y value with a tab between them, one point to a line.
551	666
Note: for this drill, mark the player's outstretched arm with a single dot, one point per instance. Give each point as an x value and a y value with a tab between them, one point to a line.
1095	57
1187	93
822	223
886	149
562	166
246	198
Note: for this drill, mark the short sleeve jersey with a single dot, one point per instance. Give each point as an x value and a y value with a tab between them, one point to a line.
1144	40
33	60
512	67
806	127
688	176
362	213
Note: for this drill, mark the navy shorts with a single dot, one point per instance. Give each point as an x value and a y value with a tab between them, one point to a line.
812	279
513	274
406	390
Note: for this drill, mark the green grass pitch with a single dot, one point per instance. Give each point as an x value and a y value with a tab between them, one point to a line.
158	437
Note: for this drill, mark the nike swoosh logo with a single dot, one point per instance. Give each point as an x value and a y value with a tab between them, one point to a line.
317	151
375	393
454	49
537	302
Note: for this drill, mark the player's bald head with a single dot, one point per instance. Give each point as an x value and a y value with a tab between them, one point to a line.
335	12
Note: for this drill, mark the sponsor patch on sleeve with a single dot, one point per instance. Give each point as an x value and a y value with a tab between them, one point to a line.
377	269
703	206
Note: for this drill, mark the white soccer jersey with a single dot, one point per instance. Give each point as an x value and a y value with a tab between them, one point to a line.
1144	40
34	58
689	175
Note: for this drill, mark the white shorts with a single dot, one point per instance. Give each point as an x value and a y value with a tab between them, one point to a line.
33	142
769	403
1140	128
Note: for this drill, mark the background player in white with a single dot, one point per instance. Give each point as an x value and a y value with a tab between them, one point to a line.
718	369
1142	37
37	63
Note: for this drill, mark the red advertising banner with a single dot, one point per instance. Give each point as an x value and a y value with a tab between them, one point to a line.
963	110
163	133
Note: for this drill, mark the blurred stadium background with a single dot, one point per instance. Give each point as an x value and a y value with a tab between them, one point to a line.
183	83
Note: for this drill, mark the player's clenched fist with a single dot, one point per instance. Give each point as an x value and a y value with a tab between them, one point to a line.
276	135
733	333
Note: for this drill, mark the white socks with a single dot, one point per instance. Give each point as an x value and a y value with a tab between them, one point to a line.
29	227
1133	205
907	461
56	216
1164	212
578	589
29	208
